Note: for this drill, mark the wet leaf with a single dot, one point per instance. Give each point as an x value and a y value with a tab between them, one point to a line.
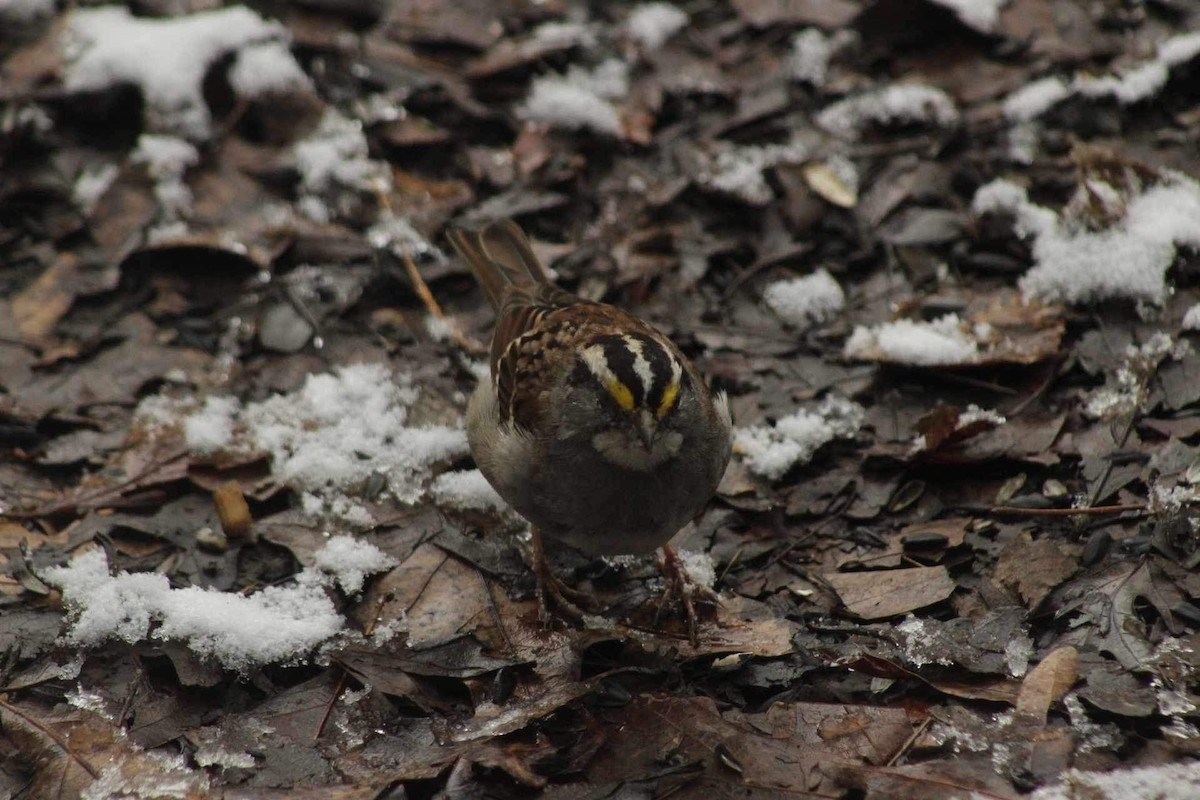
75	752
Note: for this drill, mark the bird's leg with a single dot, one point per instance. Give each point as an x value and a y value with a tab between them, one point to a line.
550	588
680	584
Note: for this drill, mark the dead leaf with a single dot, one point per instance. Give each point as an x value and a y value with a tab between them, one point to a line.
828	14
887	593
826	182
959	779
1046	684
473	23
411	751
1035	568
77	752
114	376
793	748
39	306
1119	631
419	590
999	690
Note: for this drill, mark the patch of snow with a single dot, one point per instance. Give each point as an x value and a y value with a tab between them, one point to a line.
579	99
564	33
331	504
466	490
211	428
1133	85
975	414
1024	139
1092	735
154	774
1179	781
651	24
339	429
349	561
737	170
397	236
325	439
334	162
1179	49
809	59
804	302
699	567
167	158
771	450
1034	99
211	754
900	103
1123	392
277	624
440	329
942	341
1191	318
1129	87
1180	728
1170	499
88	700
981	15
165	58
159	412
555	102
918	643
1002	196
267	68
91	185
1128	260
1172	700
1017	653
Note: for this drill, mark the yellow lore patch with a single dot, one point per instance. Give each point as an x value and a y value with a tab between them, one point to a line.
620	392
668	399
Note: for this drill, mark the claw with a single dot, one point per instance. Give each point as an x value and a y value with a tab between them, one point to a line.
570	602
680	585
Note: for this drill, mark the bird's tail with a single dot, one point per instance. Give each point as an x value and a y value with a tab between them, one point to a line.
500	256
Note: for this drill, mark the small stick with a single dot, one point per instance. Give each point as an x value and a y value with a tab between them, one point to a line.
1067	512
344	676
435	310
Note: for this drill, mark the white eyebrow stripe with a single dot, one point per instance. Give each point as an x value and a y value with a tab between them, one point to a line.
598	365
641	365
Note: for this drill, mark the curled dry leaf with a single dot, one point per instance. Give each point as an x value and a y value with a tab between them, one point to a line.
825	181
1046	684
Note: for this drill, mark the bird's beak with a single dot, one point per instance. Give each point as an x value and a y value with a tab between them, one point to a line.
646	427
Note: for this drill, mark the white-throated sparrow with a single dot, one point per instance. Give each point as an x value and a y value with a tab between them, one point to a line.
593	427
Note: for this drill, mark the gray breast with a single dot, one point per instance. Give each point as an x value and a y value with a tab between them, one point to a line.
588	503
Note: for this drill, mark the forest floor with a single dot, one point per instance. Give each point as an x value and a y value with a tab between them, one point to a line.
941	254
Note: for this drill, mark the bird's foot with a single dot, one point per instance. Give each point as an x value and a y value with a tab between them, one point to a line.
569	601
681	588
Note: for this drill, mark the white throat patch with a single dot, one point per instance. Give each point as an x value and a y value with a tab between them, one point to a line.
623	449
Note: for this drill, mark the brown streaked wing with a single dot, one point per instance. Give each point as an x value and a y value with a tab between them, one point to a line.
507	245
